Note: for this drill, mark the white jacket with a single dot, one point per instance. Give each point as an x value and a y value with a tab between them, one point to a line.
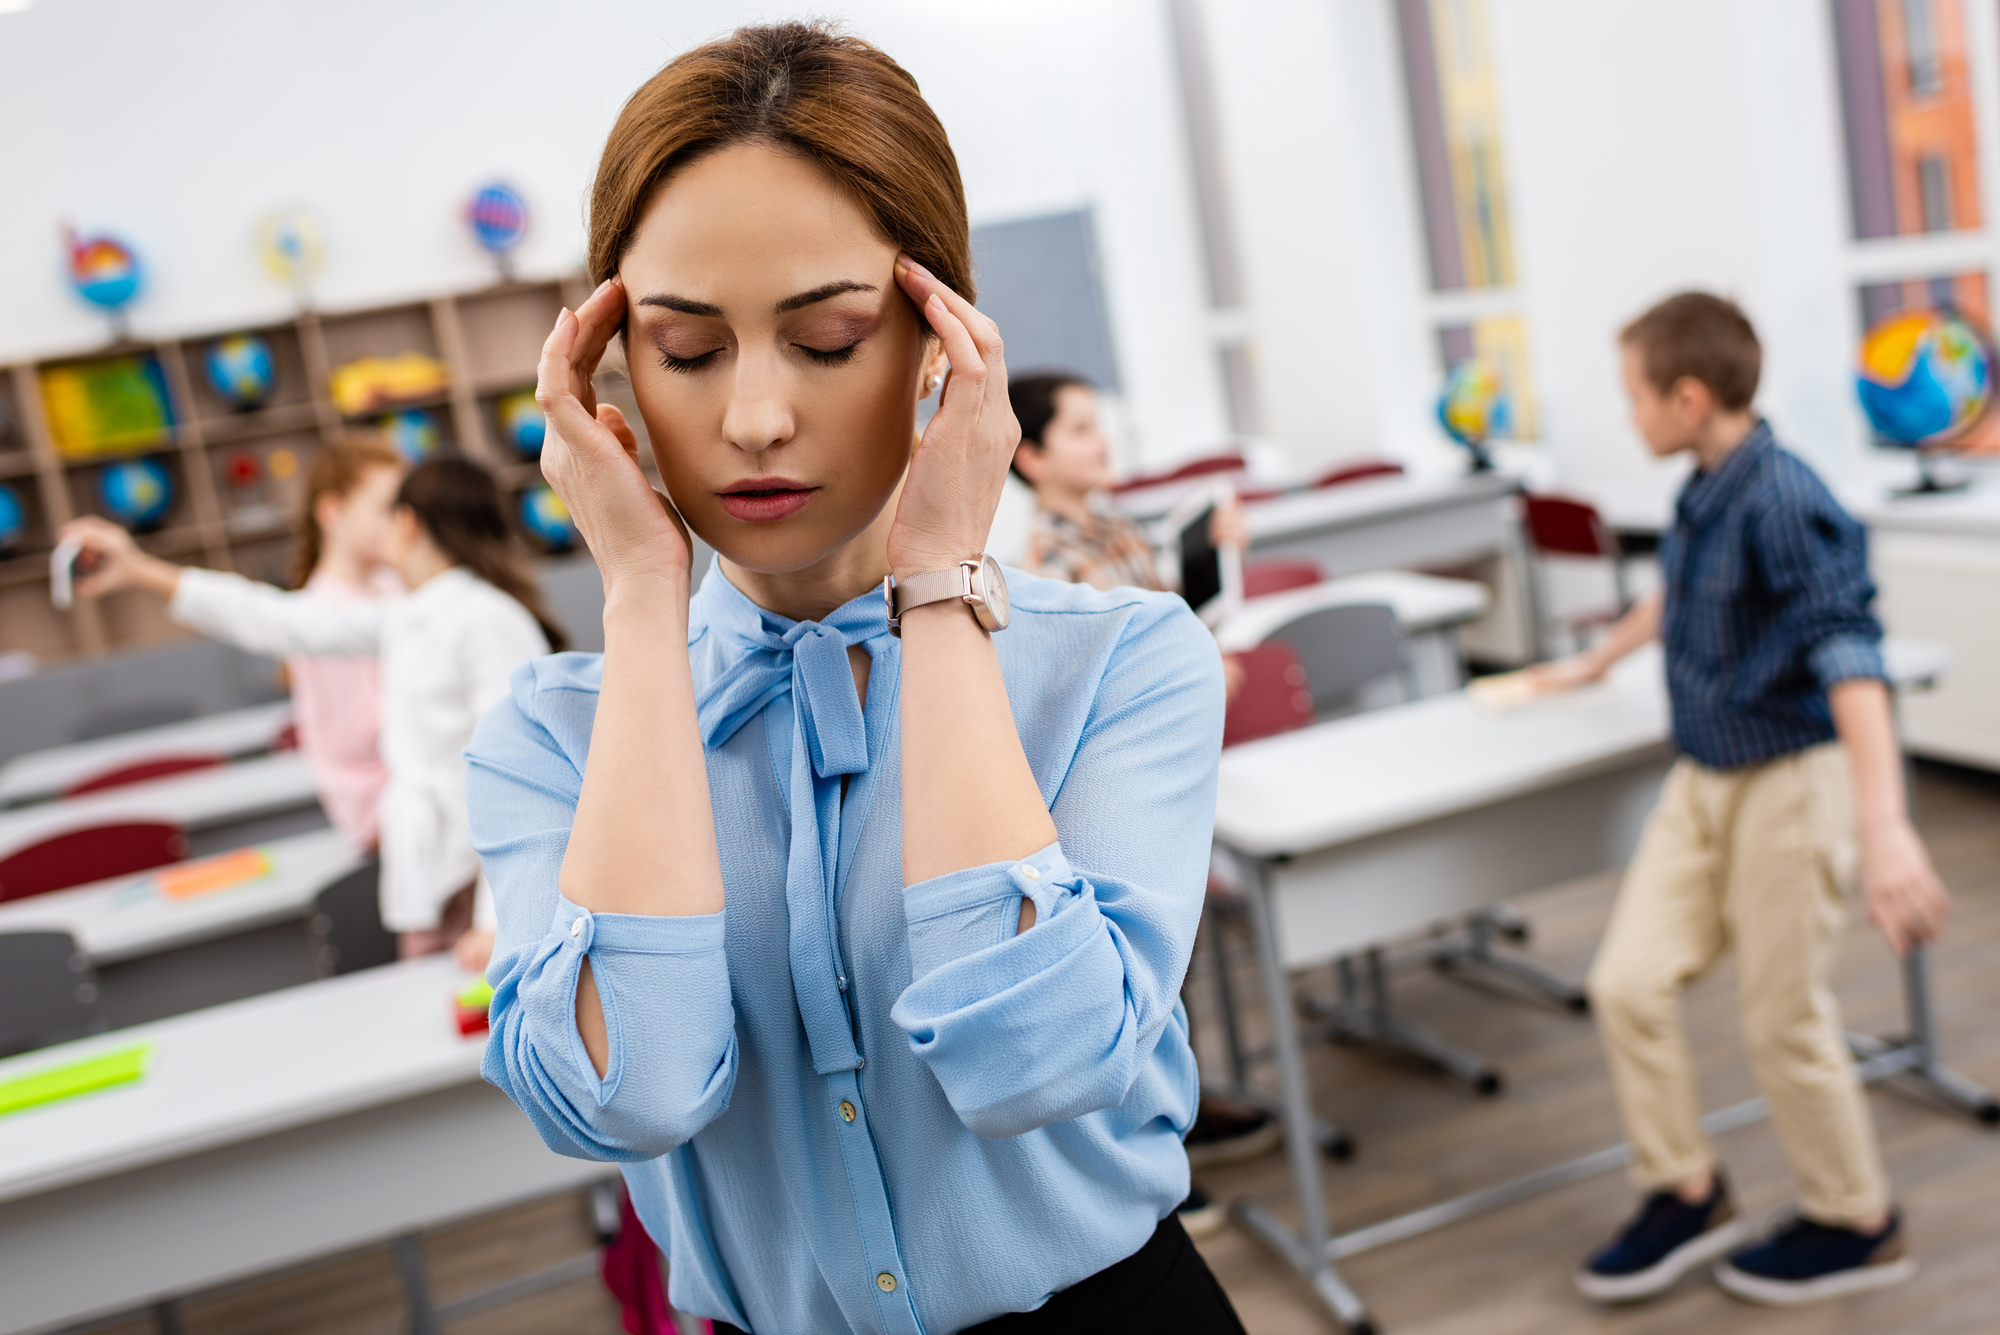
447	650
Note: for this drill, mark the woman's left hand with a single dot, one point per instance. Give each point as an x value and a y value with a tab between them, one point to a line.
953	487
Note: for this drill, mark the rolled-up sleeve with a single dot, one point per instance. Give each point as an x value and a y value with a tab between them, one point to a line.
1024	1030
1814	560
663	982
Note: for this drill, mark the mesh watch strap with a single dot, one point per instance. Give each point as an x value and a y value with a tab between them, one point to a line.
933	586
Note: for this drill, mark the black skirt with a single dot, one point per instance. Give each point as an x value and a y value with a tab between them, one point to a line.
1164	1288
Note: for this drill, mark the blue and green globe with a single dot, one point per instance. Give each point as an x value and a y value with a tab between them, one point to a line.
413	432
522	422
547	519
241	369
1925	377
13	520
1473	407
137	493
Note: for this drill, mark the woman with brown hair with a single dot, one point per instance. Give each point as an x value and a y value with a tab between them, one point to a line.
844	903
446	650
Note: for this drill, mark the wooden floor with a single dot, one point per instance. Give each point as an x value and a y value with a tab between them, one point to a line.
1421	1138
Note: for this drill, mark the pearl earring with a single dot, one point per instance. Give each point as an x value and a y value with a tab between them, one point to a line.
936	381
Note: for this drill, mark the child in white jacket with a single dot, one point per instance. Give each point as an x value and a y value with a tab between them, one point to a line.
448	647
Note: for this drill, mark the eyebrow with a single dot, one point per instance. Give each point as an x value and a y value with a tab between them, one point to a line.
687	306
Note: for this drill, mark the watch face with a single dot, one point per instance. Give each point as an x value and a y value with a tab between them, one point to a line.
994	609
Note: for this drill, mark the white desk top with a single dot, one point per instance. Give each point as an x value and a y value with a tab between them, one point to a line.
246	1069
1366	774
1974	512
1369	773
126	916
1368	501
1421	603
196	800
45	774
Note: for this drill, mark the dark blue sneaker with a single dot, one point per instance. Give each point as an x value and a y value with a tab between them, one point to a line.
1804	1262
1665	1240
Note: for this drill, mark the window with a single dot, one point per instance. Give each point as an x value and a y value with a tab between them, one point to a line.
1906	97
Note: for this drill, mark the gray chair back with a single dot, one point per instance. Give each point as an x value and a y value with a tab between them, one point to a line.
1344	649
346	924
48	991
115	693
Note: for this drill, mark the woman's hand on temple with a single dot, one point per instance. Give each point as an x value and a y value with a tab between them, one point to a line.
960	467
111	560
590	454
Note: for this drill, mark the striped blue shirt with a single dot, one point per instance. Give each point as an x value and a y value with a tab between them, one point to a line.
1767	605
843	1104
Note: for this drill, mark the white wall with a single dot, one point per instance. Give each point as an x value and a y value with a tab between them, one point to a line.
177	126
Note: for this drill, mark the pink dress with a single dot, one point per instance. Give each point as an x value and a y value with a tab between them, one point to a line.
337	705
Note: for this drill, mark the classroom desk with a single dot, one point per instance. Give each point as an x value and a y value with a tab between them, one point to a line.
266	1132
197	800
1369	829
40	775
1381	523
1429	609
123	917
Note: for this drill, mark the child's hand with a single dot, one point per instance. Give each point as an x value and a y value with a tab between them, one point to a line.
1565	673
1227	527
474	950
1906	901
111	560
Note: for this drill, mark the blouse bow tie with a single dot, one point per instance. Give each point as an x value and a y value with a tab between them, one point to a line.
803	671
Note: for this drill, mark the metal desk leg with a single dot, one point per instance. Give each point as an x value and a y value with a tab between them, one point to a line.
1916	1055
1369	1016
1477	951
1305	1247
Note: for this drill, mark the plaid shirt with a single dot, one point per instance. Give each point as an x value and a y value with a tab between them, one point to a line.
1107	552
1767	594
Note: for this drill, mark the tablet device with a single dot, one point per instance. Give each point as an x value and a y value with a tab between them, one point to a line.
62	565
1211	576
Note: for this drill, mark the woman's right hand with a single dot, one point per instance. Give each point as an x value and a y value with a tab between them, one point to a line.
590	455
110	560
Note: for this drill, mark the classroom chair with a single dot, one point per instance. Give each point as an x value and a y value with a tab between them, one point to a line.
346	924
1334	477
48	991
1273	698
78	857
1230	462
1347	652
1279	573
159	767
1570	534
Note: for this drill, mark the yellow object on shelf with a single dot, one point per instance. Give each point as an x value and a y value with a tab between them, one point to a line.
114	406
368	383
118	1067
205	876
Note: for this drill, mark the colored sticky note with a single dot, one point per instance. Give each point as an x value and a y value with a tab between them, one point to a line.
117	1067
205	876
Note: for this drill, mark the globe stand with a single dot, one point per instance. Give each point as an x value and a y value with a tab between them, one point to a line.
1482	458
1927	481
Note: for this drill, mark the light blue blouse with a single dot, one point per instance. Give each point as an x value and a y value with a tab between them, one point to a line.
843	1104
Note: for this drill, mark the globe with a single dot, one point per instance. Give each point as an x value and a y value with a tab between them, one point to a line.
547	519
103	270
499	217
1925	377
137	493
13	520
241	369
522	422
412	432
1473	408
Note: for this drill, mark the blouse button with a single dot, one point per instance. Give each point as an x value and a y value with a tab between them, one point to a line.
575	928
886	1282
1031	871
846	1111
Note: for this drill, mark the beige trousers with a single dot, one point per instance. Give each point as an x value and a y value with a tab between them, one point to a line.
1756	860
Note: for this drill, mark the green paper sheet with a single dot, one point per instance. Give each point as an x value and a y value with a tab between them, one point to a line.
117	1067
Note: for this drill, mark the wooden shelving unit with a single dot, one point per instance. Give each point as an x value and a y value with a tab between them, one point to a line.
488	340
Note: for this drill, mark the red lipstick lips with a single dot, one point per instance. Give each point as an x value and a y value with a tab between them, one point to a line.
763	500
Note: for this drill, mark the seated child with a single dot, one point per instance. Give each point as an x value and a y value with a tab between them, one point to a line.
1782	715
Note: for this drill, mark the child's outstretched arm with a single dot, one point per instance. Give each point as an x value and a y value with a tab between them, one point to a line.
1906	901
1636	629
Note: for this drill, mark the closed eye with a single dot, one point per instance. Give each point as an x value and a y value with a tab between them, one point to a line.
829	356
687	365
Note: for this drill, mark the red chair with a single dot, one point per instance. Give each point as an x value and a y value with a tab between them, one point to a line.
1214	463
78	857
157	768
1261	578
1273	698
1357	472
1560	526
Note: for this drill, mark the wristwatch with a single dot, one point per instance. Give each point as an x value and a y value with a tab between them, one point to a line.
977	582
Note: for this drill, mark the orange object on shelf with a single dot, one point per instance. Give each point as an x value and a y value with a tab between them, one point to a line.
205	876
